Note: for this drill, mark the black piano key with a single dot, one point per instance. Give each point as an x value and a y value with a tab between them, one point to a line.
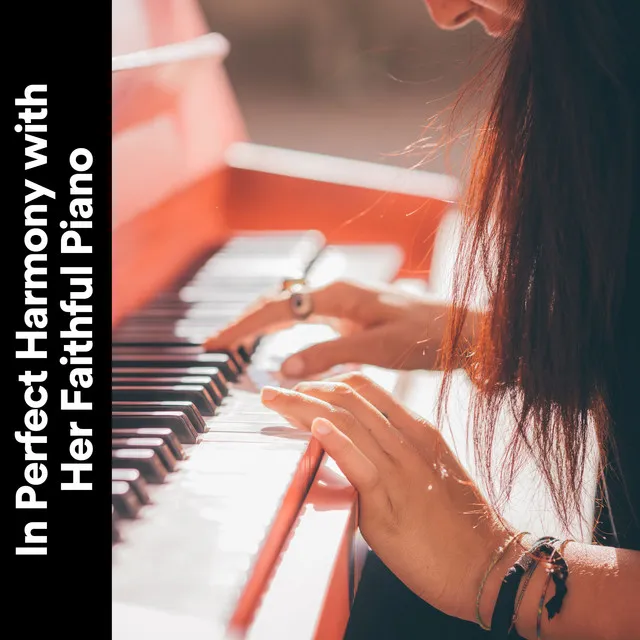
156	334
165	349
144	460
220	360
158	349
238	360
147	358
163	381
156	444
131	340
160	325
126	338
168	437
196	394
188	408
124	499
150	335
210	314
213	373
167	312
135	480
177	421
245	353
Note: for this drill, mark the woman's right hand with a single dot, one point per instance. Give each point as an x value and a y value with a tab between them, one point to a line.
381	326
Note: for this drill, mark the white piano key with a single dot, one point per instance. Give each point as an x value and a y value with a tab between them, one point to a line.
190	554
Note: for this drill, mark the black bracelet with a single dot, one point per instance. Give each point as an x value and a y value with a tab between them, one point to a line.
559	574
502	618
503	610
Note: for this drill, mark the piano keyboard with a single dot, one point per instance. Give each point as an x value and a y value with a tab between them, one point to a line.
206	481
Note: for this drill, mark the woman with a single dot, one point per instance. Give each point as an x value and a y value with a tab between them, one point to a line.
552	227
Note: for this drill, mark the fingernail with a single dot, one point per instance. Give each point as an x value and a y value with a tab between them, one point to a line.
293	367
269	393
321	427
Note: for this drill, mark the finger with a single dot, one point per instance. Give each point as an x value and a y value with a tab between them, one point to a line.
365	347
359	470
337	300
415	428
270	315
426	440
389	345
342	395
304	409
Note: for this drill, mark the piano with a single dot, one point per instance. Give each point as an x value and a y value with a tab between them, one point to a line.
227	521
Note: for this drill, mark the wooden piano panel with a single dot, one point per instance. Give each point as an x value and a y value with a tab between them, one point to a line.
174	115
138	25
185	178
347	200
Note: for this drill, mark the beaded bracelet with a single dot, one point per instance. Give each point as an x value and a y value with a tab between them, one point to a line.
496	558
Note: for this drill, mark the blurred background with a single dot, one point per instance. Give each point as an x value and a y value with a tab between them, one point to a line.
354	78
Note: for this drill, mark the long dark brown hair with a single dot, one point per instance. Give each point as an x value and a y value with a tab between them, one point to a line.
548	213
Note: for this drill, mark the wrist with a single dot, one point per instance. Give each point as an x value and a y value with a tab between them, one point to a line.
494	580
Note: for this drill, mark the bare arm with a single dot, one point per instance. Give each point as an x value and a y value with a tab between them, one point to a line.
435	530
602	600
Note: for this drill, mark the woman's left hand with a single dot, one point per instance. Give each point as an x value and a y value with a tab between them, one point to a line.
418	508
